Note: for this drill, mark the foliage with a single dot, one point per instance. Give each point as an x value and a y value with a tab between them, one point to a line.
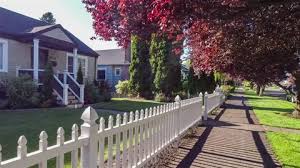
22	93
119	20
80	75
91	93
257	46
219	78
104	91
122	88
140	81
160	97
227	89
201	82
48	18
47	97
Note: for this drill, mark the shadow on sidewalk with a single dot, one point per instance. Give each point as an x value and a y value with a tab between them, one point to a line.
192	155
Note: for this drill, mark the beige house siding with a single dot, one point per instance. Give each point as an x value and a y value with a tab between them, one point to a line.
19	54
60	58
91	68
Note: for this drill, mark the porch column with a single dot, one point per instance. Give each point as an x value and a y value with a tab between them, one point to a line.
36	60
75	62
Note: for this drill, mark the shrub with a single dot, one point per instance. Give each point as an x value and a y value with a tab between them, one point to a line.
227	89
160	97
104	90
48	100
22	93
79	75
91	93
122	88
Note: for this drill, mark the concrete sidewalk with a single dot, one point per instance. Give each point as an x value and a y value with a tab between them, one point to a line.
233	139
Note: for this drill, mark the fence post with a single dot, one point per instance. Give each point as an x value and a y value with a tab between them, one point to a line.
178	105
205	107
89	129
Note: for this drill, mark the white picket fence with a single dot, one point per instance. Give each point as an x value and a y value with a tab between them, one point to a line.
132	143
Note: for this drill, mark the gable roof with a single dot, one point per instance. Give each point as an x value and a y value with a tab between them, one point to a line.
20	27
112	57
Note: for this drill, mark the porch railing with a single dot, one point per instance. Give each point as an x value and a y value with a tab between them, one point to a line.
63	83
131	143
76	88
61	90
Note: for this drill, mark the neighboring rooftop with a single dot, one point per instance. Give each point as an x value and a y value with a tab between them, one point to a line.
112	57
23	28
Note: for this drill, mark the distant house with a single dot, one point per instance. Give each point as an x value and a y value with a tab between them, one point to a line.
27	45
113	66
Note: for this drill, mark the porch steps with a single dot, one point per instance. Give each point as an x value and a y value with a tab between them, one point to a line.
73	101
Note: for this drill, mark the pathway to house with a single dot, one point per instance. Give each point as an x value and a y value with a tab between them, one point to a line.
231	139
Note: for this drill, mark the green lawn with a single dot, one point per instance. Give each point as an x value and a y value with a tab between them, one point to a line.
286	147
125	104
273	111
30	122
276	112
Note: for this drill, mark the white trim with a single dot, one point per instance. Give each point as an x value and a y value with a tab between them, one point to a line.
5	55
118	68
81	57
102	68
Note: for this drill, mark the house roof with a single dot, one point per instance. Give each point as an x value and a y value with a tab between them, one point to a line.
23	28
112	57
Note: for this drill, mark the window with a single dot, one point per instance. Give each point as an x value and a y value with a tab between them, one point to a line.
3	55
70	64
101	74
82	60
118	72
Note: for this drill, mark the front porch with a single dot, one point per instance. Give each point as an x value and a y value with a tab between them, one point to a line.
58	49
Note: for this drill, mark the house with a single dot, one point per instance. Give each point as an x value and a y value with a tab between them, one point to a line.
113	66
27	44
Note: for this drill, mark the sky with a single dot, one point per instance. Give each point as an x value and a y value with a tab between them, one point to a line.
71	14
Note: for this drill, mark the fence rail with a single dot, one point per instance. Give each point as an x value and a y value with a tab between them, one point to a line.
130	141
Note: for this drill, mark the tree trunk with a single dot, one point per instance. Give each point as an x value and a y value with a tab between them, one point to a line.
257	89
296	113
261	90
251	85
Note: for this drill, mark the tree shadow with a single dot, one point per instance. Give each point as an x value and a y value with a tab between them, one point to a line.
197	148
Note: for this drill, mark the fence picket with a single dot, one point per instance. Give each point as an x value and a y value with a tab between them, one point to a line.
141	137
136	139
74	153
118	123
43	144
101	142
125	142
130	148
110	143
60	142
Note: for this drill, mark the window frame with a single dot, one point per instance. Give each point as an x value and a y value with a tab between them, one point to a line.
5	55
118	68
105	70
